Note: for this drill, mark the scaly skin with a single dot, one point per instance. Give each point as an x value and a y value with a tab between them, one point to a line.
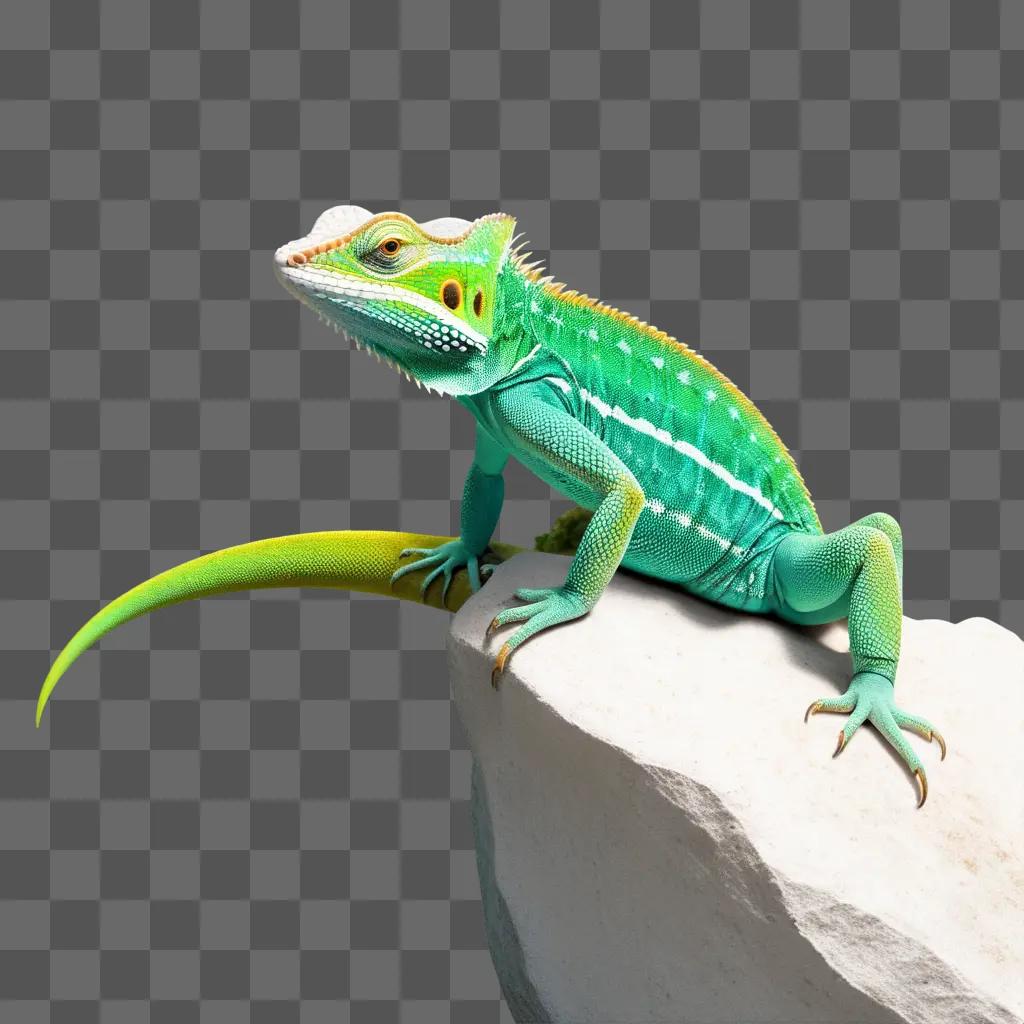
686	479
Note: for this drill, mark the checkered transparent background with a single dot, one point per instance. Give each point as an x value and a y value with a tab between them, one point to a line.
828	196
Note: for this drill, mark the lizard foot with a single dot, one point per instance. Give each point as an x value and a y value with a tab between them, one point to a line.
446	559
870	698
550	606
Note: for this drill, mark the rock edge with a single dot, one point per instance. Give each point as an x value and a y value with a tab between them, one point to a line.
662	838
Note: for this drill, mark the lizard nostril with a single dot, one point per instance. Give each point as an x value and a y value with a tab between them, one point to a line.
297	259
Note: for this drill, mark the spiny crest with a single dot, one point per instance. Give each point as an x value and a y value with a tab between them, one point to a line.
532	272
351	339
515	251
390	362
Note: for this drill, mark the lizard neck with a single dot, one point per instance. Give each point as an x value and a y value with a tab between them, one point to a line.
596	339
518	318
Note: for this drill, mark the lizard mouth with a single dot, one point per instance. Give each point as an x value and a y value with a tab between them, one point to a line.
431	324
422	327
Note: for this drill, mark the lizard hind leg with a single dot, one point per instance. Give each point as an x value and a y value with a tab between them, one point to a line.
856	572
891	528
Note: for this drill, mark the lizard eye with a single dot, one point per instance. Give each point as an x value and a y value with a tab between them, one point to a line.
390	246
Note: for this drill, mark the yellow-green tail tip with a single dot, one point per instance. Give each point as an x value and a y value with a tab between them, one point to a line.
360	560
44	696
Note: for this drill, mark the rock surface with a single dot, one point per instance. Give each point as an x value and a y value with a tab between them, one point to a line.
660	837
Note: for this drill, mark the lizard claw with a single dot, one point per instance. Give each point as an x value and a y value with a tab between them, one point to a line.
922	785
837	705
869	698
549	606
922	727
499	665
444	561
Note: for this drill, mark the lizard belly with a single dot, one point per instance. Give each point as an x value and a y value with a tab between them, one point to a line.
700	527
672	544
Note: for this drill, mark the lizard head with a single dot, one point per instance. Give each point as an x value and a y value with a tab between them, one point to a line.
422	297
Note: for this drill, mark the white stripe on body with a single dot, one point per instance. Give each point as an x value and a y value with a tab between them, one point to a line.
683	447
657	506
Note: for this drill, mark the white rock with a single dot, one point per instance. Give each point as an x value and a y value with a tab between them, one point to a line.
662	838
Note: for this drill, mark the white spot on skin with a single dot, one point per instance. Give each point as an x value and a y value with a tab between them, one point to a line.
357	292
684	376
710	395
658	508
625	347
658	361
592	334
734	412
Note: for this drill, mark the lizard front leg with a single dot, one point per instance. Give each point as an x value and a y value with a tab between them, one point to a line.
482	497
549	432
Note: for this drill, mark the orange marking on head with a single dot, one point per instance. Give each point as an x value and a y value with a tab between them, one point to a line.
297	259
451	293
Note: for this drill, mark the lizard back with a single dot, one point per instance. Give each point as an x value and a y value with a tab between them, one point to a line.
721	485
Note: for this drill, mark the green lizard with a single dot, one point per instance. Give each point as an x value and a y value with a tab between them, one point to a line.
685	478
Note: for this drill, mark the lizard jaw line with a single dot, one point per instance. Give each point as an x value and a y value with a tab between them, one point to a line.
302	293
369	349
306	280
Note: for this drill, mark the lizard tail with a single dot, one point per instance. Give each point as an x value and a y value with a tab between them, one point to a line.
360	560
